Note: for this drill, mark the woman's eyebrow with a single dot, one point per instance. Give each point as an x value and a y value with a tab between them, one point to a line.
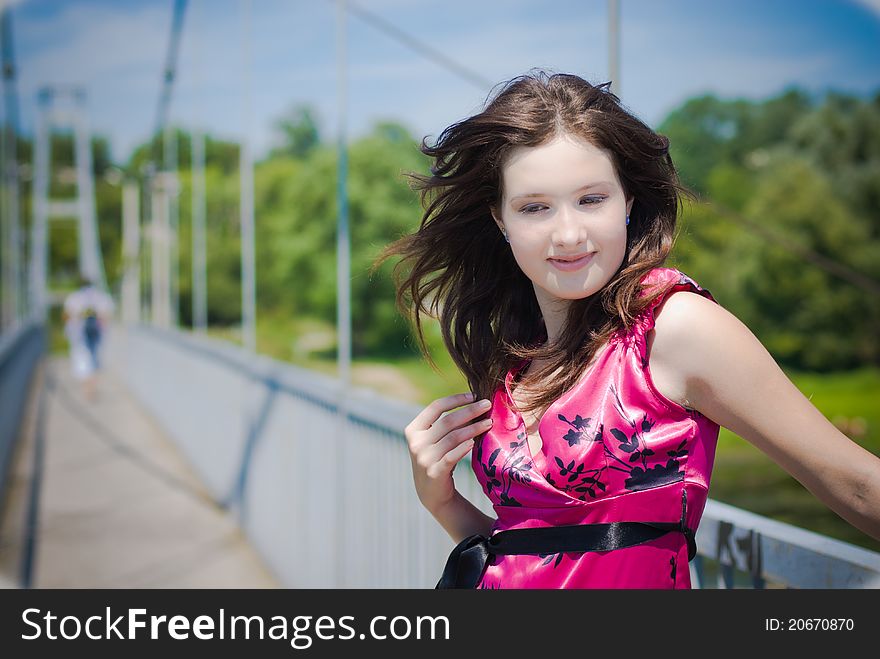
543	194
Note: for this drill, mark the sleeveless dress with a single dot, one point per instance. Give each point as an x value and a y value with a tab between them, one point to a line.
614	450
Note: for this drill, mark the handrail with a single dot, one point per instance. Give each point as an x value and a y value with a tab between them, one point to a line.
764	549
20	351
774	551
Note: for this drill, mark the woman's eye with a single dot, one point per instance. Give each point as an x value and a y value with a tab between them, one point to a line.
531	208
591	200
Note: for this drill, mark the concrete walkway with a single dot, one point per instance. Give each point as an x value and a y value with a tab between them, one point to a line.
118	505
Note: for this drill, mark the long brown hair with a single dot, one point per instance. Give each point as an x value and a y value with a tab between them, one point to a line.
459	265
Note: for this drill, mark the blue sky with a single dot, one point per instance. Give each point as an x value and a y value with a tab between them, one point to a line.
670	50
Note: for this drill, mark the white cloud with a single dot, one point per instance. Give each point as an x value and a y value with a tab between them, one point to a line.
870	5
118	51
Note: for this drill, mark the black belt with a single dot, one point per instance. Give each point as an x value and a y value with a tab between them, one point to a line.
466	563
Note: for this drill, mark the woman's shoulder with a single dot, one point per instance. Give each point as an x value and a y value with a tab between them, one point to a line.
679	314
673	296
659	284
663	280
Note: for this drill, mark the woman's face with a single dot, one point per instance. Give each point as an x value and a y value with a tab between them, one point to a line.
563	201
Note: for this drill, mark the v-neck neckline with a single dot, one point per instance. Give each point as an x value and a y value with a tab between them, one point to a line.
512	374
600	355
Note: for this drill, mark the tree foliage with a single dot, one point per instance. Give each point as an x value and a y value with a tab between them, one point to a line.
298	133
806	170
809	174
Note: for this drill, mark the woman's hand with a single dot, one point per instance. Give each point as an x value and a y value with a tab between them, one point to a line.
436	444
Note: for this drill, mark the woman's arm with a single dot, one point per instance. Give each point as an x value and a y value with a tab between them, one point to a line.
730	377
437	442
460	518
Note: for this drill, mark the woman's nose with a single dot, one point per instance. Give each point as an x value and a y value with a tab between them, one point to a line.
568	228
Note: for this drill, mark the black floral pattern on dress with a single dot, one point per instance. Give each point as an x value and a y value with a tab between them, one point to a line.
579	430
549	558
581	482
645	479
516	468
642	476
632	457
488	467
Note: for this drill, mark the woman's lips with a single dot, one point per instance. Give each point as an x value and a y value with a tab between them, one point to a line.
569	266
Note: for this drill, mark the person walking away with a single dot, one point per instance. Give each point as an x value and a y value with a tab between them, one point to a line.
87	313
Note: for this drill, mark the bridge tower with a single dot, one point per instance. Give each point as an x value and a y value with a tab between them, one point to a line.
12	305
63	108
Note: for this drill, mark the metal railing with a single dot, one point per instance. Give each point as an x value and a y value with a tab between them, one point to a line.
750	550
329	502
20	352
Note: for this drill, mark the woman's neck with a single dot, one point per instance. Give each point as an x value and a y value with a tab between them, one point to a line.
554	312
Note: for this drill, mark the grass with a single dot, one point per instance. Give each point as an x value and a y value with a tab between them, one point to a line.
745	477
278	338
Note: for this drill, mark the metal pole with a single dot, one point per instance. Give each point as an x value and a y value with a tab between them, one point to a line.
39	230
343	251
160	266
145	280
614	45
199	246
7	303
199	249
246	170
343	286
130	253
169	189
170	167
11	235
91	261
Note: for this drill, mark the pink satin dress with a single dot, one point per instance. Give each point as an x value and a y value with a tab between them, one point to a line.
614	449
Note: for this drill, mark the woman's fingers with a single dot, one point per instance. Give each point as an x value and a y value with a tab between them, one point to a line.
419	432
428	416
461	416
447	462
452	440
437	444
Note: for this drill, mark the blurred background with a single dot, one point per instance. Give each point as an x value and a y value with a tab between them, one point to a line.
228	170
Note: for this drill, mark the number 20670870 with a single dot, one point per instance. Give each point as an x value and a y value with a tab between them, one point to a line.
808	624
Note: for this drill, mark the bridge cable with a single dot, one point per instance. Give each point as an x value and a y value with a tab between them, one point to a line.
419	46
169	74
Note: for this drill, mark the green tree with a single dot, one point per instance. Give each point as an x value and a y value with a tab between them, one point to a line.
807	317
810	176
297	232
298	133
842	139
220	154
707	132
223	243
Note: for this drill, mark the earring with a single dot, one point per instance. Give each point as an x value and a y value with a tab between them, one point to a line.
627	220
505	236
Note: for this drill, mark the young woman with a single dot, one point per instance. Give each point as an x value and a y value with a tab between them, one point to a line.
599	376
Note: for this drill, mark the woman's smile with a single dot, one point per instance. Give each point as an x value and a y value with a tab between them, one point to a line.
570	265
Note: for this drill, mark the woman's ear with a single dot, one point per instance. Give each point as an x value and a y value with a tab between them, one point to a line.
495	214
629	204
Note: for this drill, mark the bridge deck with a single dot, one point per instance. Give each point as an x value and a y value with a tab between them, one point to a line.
118	505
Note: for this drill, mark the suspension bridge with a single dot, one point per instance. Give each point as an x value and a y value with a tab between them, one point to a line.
203	463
